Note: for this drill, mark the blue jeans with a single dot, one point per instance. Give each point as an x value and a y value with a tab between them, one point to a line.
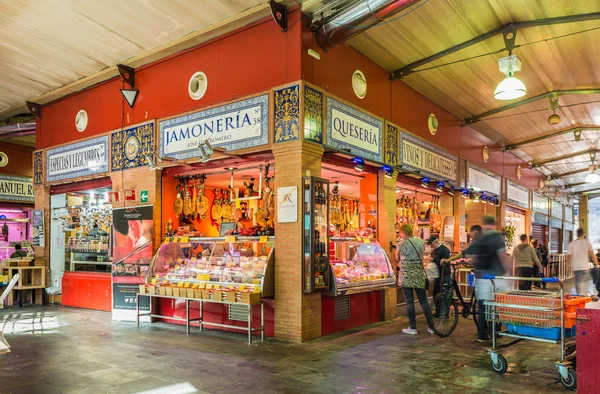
410	306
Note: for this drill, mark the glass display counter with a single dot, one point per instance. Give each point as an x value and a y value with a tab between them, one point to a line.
244	263
359	266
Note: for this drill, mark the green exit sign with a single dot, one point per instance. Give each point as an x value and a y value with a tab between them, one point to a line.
144	196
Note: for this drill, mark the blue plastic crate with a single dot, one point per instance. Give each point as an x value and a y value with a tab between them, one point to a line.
547	333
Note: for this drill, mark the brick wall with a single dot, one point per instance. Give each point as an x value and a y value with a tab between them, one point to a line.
386	232
297	315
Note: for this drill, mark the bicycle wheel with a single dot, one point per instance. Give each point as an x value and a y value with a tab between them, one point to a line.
446	314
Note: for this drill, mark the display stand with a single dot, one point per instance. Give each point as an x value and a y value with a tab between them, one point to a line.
200	319
31	280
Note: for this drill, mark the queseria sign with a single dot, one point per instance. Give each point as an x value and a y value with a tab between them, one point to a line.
429	160
353	130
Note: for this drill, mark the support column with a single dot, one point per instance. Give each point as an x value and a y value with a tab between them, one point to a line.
297	315
583	213
141	178
42	201
459	220
386	232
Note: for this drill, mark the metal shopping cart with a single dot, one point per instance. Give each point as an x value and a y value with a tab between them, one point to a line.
543	316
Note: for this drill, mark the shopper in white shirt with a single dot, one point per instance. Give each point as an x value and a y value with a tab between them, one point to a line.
580	254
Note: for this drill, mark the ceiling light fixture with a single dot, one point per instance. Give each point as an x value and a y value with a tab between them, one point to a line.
425	183
440	187
130	96
465	193
336	188
387	170
151	161
483	198
451	191
359	164
206	151
592	176
511	87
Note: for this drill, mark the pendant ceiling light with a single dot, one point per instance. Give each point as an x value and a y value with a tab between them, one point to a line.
511	88
592	176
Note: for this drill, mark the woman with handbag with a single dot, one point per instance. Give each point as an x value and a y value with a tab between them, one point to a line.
412	278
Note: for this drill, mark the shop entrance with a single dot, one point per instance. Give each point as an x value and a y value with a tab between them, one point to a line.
514	224
80	243
15	225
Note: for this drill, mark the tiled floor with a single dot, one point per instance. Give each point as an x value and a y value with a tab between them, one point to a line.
63	350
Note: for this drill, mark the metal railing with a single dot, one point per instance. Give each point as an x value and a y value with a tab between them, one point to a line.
558	267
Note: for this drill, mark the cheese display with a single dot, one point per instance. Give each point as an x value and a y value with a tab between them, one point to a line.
360	265
219	265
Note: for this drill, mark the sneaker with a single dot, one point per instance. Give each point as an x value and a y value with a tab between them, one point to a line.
484	339
430	330
410	331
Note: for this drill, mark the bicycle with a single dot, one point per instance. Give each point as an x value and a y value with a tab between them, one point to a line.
446	307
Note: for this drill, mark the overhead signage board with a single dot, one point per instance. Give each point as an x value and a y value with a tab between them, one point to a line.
16	188
237	125
569	214
351	130
557	209
83	158
540	203
418	155
481	180
517	195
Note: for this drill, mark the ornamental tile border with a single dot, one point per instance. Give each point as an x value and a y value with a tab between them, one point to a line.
38	168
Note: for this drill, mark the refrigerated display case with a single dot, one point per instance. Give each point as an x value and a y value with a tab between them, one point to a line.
245	263
315	236
359	266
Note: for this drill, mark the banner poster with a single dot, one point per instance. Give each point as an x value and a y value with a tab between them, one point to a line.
38	227
132	254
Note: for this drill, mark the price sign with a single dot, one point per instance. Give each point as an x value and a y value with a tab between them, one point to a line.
184	239
230	238
366	240
264	239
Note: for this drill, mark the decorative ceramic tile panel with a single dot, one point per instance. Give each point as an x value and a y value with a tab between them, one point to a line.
286	116
129	147
313	115
392	137
38	168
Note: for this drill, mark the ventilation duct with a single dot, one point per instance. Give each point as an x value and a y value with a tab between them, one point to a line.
356	19
17	130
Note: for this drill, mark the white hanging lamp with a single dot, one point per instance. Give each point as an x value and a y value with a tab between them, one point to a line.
592	176
511	87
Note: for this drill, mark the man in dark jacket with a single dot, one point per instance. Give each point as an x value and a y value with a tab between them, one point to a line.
491	259
439	252
18	253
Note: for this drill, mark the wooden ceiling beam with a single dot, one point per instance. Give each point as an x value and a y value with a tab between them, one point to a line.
511	27
516	145
542	163
556	93
567	174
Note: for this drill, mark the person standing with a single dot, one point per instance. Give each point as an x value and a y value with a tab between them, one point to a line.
439	252
413	278
524	258
490	252
580	254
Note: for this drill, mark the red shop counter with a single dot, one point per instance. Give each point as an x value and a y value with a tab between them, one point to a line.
89	290
341	313
216	313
